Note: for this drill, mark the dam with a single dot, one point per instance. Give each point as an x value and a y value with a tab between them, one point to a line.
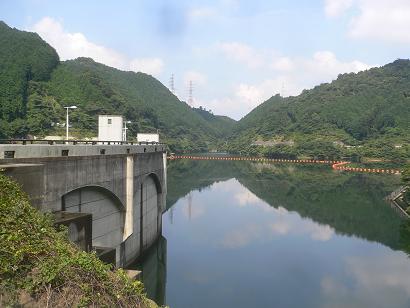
111	196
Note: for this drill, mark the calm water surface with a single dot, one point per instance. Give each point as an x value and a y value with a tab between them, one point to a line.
242	234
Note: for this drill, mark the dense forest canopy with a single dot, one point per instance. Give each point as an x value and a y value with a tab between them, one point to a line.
35	86
364	114
24	59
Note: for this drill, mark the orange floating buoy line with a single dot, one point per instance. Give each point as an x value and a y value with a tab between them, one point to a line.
342	166
336	165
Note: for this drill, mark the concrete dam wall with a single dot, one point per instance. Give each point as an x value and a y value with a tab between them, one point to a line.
111	197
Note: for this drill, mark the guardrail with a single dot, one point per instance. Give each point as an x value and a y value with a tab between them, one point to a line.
75	142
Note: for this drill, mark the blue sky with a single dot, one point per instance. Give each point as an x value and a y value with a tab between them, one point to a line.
238	53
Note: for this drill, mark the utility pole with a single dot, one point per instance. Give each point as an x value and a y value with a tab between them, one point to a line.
124	130
67	122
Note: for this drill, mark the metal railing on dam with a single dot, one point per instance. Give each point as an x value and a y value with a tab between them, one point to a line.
26	148
74	142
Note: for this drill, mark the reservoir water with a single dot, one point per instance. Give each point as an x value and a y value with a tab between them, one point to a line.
240	234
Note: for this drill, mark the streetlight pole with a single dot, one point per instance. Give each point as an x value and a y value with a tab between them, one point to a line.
124	134
67	123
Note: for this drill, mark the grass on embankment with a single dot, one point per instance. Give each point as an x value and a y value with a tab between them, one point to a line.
39	262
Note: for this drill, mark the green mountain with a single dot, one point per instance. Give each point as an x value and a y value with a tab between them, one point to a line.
365	114
35	86
223	124
358	115
149	105
24	58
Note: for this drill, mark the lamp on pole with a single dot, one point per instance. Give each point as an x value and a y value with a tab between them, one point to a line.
67	121
124	130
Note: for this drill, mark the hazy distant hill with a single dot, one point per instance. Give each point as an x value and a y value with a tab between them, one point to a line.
34	86
369	110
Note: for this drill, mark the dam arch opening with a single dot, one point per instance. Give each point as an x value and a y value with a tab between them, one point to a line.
150	210
108	215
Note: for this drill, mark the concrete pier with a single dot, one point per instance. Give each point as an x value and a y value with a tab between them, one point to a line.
123	187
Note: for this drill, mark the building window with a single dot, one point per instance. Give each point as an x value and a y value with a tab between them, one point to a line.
109	121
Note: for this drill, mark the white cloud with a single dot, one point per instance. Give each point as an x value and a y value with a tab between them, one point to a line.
286	225
318	232
380	20
246	97
284	64
277	222
230	106
242	53
196	77
245	197
380	272
290	75
380	279
257	93
330	286
74	45
324	66
334	8
280	227
151	66
243	236
193	211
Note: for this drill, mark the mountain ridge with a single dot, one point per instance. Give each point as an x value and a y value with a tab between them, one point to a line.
369	109
363	114
96	89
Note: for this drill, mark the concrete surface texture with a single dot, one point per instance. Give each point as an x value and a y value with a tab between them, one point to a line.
124	190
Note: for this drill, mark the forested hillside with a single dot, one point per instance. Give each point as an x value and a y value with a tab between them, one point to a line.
223	124
25	60
358	115
140	98
35	86
365	114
